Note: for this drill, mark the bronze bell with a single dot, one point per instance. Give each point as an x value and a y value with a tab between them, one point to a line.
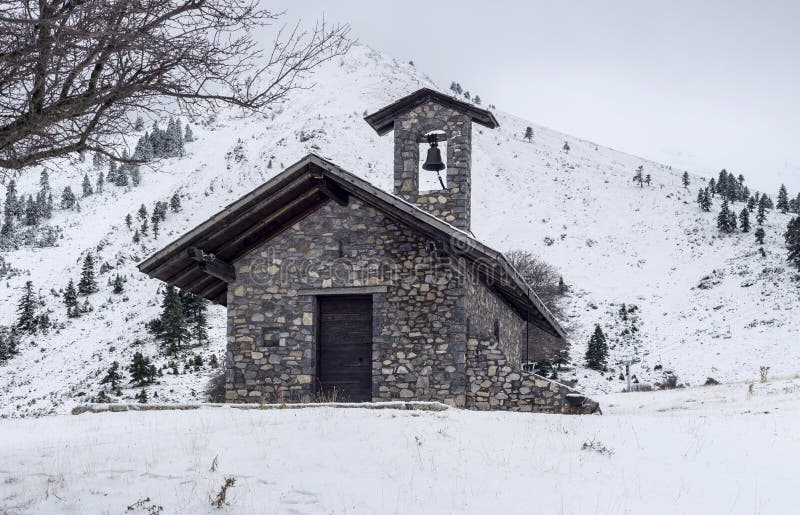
433	162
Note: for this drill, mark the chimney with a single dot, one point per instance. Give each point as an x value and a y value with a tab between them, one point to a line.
413	118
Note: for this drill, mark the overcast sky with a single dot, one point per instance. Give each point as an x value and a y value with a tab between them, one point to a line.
709	85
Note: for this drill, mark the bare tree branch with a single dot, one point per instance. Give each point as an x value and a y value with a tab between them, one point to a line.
72	71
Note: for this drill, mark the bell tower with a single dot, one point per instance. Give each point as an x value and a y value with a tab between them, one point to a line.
423	123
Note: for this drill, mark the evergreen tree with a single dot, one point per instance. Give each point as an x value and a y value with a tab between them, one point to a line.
528	133
597	353
725	217
136	236
722	183
761	216
170	328
792	238
751	203
139	124
477	100
121	177
175	202
87	284
68	199
136	175
638	177
759	234
71	300
44	197
87	186
119	285
712	187
467	95
768	201
141	397
783	200
9	344
100	182
154	221
744	220
128	220
13	206
188	137
685	180
142	213
566	147
27	321
112	377
111	175
142	370
143	228
647	179
31	212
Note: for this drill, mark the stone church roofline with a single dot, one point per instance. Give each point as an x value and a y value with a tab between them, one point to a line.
383	120
297	192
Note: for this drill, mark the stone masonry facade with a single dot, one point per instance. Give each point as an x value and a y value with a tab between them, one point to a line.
426	315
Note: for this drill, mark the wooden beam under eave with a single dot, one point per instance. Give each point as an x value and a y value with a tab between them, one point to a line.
220	270
333	191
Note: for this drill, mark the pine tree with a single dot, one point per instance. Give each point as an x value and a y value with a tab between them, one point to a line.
597	353
87	186
759	234
112	377
477	100
71	300
8	344
142	370
726	219
528	133
171	328
188	137
792	238
111	175
142	213
27	321
783	200
175	202
139	124
32	213
119	285
712	187
87	284
44	195
13	206
68	200
100	182
143	228
638	177
751	203
154	220
136	236
761	216
141	397
647	179
121	177
685	180
744	220
566	147
128	220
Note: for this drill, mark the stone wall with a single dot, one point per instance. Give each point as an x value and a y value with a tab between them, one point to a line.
451	204
494	384
490	319
418	335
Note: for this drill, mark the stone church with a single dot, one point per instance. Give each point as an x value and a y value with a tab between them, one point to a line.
339	291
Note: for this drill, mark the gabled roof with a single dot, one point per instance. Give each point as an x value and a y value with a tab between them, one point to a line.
383	120
297	192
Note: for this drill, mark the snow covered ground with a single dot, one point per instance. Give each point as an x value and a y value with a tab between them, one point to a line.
718	449
708	304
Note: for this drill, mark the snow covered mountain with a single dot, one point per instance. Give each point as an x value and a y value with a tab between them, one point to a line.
706	304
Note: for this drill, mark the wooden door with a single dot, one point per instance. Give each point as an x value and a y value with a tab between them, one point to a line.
344	353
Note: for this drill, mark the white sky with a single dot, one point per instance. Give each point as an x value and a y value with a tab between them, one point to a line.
707	85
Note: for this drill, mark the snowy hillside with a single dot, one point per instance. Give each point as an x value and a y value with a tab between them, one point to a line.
613	242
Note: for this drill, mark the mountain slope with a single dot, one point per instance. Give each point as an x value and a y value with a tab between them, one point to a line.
613	242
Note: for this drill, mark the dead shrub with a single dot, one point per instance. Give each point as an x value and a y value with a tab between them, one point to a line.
542	277
215	390
220	500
